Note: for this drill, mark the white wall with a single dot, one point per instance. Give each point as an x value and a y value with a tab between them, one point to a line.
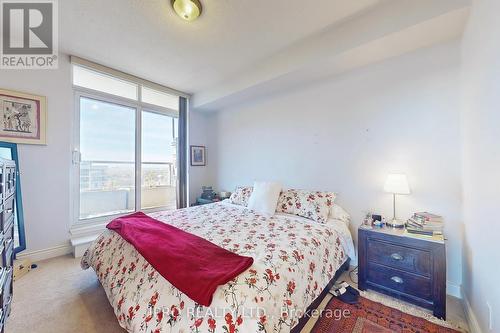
200	134
346	133
481	161
45	170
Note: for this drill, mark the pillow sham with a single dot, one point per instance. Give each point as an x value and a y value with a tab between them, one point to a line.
339	213
314	205
241	195
264	197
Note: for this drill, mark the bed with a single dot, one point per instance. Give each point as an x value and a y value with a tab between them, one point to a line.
294	260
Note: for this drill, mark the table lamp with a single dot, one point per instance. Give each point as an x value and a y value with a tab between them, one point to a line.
396	183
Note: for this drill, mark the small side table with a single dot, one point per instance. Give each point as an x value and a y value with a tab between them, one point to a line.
408	268
200	201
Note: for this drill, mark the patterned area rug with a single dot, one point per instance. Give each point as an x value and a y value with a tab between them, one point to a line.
371	317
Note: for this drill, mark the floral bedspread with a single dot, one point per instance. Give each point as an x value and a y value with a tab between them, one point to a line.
293	261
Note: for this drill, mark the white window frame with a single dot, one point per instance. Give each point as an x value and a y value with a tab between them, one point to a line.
80	225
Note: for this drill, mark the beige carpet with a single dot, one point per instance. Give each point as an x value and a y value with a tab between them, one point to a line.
59	297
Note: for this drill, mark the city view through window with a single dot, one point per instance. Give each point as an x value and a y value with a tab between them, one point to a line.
108	159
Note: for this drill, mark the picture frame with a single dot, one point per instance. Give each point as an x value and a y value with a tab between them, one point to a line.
23	118
198	156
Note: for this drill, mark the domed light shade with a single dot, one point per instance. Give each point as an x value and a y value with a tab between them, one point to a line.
188	10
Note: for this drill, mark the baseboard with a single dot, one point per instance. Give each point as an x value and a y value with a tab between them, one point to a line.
48	253
453	289
470	315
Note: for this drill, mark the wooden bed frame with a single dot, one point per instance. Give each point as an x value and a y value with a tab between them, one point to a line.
314	305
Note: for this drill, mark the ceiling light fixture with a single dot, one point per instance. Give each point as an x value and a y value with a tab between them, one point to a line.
188	10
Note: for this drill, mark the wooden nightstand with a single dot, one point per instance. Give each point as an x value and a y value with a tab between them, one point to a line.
410	269
201	201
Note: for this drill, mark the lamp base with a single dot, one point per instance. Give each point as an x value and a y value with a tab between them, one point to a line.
395	223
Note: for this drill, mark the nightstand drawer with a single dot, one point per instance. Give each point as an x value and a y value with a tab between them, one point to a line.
400	281
409	268
400	257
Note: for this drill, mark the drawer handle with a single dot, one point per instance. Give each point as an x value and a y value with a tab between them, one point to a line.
9	210
397	279
396	256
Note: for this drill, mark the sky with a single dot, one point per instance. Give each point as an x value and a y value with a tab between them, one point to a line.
107	133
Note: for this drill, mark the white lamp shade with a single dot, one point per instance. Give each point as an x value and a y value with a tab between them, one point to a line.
397	183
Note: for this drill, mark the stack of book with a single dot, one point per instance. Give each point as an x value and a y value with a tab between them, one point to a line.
425	223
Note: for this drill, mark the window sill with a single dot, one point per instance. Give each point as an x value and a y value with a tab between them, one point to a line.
85	232
83	235
87	229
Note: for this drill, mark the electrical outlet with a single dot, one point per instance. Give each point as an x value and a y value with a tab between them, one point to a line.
490	311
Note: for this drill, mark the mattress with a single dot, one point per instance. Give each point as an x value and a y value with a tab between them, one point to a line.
294	259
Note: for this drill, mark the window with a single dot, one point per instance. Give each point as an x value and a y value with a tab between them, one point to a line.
159	161
107	163
159	98
126	146
87	78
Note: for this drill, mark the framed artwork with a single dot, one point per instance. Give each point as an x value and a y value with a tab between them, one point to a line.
198	156
23	118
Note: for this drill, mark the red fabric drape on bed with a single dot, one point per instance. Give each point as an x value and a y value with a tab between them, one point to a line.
192	264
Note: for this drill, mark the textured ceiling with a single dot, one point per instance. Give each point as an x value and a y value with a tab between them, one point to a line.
145	38
390	29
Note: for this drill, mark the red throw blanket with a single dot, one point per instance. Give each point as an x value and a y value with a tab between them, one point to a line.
192	264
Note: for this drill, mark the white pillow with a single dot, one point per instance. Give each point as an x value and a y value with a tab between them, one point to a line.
264	197
339	213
